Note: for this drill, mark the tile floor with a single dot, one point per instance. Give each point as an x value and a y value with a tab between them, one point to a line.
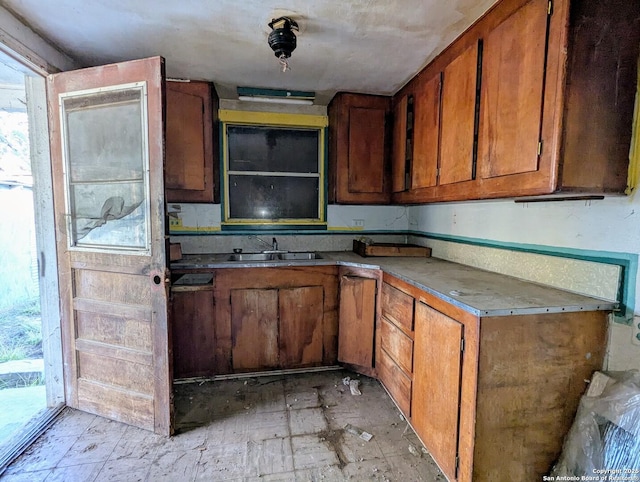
285	428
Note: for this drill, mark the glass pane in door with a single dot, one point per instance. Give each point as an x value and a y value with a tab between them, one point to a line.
106	168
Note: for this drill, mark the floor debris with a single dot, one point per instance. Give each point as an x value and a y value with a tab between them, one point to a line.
366	436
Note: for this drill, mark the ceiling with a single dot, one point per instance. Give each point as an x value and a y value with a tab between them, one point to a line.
370	46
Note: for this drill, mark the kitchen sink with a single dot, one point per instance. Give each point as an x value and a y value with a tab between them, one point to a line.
253	257
239	257
293	256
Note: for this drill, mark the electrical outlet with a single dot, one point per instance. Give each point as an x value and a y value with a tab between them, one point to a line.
635	337
358	223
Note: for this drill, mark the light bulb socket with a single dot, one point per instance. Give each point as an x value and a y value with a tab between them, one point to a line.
282	38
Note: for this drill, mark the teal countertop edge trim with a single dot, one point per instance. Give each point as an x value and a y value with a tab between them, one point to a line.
628	263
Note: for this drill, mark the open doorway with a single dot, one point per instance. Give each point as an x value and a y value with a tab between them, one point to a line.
31	385
22	388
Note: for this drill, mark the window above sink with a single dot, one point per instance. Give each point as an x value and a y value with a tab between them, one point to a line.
274	170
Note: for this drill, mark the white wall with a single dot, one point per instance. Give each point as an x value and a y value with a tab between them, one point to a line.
599	228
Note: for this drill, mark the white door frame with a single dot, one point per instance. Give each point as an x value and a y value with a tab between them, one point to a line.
45	238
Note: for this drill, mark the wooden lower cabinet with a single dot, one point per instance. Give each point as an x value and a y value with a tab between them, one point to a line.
436	385
491	398
254	329
394	344
275	318
357	318
287	322
193	331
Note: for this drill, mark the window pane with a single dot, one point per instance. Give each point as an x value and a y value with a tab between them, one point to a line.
273	149
109	215
271	197
104	136
106	163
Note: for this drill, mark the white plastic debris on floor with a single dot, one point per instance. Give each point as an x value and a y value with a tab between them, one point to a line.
604	441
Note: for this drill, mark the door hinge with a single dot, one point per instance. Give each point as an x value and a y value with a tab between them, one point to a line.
457	465
539	148
550	7
462	345
437	172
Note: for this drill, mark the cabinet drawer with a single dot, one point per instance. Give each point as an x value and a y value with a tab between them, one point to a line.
397	307
397	345
396	382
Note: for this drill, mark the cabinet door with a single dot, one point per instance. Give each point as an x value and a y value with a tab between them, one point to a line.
426	129
356	322
367	151
436	385
254	329
512	92
193	333
358	149
458	118
399	147
189	171
301	313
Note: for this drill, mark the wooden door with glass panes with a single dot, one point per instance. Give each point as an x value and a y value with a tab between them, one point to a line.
107	152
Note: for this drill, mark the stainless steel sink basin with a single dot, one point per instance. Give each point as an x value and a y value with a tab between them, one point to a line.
294	256
247	257
253	257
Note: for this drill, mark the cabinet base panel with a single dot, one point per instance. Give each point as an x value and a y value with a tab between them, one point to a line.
269	373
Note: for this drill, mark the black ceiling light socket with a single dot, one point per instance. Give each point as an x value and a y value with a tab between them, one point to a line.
282	38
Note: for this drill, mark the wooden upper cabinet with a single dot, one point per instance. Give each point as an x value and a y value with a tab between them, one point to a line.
399	146
602	69
191	164
537	98
458	118
358	149
512	92
426	131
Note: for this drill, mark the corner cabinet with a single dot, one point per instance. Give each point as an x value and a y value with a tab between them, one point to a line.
191	158
491	397
359	149
536	98
357	317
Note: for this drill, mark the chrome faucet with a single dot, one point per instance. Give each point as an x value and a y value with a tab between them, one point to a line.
273	245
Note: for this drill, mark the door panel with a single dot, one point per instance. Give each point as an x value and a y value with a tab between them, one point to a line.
357	320
254	329
107	148
512	92
458	117
301	314
436	385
